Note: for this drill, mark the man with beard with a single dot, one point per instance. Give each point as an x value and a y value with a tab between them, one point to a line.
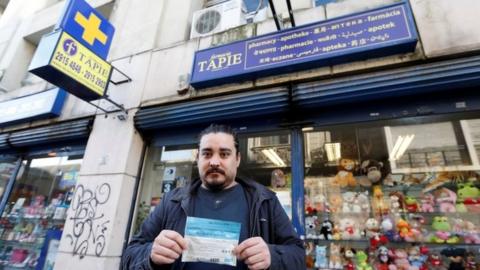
267	238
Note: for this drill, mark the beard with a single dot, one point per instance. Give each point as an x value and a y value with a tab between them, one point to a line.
215	184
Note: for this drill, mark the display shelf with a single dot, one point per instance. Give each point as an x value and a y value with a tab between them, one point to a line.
26	245
392	243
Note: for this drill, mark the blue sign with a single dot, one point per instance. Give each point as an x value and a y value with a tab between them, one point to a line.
42	105
380	32
88	26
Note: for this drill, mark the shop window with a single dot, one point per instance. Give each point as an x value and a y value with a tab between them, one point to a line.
7	169
37	207
404	189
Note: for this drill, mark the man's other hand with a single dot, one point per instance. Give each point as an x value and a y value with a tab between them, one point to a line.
255	253
167	247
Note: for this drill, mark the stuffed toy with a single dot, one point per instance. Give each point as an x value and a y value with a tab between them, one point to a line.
411	204
434	261
456	256
344	175
471	235
335	261
321	256
335	203
400	258
383	258
372	228
371	172
396	202
442	231
362	200
468	198
349	204
427	203
378	203
309	209
349	229
404	229
311	225
446	200
416	223
470	263
362	259
417	260
372	232
326	231
348	258
388	230
309	252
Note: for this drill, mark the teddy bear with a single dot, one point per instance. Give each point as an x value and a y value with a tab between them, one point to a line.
362	261
349	229
344	176
349	203
371	172
311	225
335	202
362	200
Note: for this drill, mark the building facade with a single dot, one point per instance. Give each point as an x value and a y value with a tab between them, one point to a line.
387	142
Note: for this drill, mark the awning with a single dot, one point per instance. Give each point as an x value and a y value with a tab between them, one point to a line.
47	135
234	106
437	76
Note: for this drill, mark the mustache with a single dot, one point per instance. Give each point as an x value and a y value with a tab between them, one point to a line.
215	170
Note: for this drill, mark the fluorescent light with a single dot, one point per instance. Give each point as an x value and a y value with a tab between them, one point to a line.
401	145
273	157
333	151
307	129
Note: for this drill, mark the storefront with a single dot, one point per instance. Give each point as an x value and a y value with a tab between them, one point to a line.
388	158
38	172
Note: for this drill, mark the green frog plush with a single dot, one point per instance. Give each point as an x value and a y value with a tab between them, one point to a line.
442	231
468	197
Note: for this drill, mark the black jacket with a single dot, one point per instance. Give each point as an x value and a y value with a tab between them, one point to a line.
267	219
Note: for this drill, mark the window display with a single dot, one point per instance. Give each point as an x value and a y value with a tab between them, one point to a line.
7	169
398	195
38	203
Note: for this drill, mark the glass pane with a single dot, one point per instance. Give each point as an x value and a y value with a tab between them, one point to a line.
266	159
37	204
165	168
404	184
7	168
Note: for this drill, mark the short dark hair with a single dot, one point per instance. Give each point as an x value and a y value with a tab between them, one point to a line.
216	128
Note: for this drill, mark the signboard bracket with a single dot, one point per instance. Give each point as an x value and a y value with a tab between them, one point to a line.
127	78
123	112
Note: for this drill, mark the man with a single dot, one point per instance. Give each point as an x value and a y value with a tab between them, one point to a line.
267	238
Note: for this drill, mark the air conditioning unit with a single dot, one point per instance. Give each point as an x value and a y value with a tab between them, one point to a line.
218	18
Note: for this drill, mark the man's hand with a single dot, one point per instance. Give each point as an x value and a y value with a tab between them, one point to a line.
167	247
255	253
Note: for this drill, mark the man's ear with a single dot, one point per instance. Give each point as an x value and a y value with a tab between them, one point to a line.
238	158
